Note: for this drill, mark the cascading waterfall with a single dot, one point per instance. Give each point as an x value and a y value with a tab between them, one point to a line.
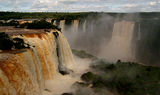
84	26
62	25
21	74
64	54
119	46
24	72
75	25
139	31
73	28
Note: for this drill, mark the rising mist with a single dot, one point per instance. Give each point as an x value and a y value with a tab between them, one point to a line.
96	34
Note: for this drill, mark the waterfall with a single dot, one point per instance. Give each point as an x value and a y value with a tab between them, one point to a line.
24	72
75	25
64	53
139	31
21	74
119	46
54	23
62	25
84	26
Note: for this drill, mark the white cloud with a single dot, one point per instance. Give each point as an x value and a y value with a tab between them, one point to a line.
152	3
130	5
81	5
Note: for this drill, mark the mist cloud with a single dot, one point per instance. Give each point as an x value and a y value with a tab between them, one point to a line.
80	5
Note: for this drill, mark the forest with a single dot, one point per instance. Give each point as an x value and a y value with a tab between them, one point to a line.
68	15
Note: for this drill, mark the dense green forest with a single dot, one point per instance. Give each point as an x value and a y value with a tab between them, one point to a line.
61	15
42	24
36	15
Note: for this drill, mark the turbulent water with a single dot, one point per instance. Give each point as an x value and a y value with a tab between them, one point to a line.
24	72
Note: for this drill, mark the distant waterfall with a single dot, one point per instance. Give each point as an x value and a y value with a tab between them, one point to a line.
62	25
84	26
25	72
139	31
54	23
119	46
75	25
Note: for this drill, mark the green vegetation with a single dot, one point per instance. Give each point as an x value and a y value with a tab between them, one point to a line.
19	43
69	16
7	43
41	15
82	54
68	22
89	77
124	78
11	23
42	24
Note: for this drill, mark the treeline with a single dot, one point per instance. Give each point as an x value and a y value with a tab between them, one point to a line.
67	15
40	15
37	24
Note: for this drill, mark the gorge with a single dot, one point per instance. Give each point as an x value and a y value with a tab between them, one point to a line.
120	53
135	36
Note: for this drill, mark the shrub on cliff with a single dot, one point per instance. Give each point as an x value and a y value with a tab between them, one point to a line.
7	43
42	24
19	43
88	77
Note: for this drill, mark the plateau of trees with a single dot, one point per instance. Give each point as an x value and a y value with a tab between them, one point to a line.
42	24
67	15
40	15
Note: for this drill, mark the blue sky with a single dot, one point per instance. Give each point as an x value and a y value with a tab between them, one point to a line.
80	5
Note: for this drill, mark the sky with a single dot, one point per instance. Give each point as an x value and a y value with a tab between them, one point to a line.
80	5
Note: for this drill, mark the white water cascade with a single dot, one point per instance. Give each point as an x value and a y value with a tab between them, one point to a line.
75	25
62	25
25	72
119	46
